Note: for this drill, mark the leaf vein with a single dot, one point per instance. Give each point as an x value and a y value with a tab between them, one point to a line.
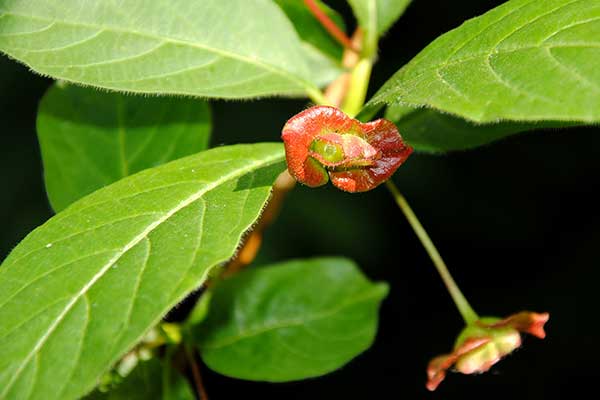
301	81
46	273
148	138
532	21
487	27
151	227
136	288
579	77
103	225
371	295
29	318
564	28
169	74
511	86
42	30
196	250
80	351
64	47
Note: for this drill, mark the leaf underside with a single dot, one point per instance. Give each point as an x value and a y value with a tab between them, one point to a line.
430	131
209	48
524	60
84	287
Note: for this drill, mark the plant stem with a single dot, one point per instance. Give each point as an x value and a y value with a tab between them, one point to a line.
359	83
353	102
461	302
198	384
337	90
370	43
329	25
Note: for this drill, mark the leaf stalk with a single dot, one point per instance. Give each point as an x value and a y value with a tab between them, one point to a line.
359	83
465	309
329	25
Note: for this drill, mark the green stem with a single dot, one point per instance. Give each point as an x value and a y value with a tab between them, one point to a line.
359	83
370	39
461	302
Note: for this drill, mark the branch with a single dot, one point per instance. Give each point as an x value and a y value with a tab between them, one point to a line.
329	25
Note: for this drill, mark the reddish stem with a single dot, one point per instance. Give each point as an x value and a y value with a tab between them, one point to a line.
329	25
198	384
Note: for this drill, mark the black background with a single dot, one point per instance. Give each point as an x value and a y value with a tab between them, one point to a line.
516	221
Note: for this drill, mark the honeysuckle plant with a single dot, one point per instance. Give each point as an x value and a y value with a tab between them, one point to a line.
149	217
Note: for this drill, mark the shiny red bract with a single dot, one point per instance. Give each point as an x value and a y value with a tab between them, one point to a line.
322	143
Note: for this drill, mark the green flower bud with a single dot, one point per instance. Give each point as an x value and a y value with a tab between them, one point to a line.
502	341
329	151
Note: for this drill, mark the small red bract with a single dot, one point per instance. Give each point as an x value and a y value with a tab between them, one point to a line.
322	143
484	343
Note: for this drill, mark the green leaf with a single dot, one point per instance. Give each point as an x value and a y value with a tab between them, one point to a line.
376	17
214	48
430	131
322	67
90	139
322	53
200	310
290	321
152	379
310	30
525	60
83	288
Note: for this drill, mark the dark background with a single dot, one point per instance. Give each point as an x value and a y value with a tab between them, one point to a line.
516	222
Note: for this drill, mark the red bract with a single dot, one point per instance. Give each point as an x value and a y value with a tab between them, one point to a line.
527	322
484	343
323	143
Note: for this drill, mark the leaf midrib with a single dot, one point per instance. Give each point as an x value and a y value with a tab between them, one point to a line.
276	70
132	243
288	323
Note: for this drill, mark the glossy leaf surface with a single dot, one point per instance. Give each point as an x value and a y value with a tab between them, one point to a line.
83	288
524	60
90	139
290	321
